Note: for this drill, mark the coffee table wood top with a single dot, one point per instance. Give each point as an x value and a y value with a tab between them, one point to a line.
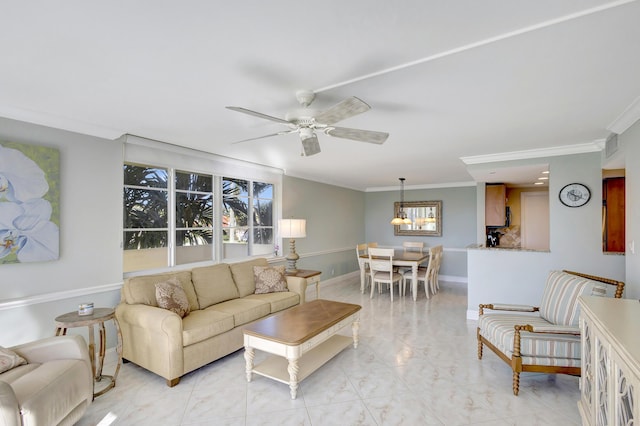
299	324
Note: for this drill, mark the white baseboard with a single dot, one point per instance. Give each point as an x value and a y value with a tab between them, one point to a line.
452	278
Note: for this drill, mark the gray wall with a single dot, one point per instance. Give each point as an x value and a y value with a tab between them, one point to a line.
458	223
90	265
629	143
575	243
334	225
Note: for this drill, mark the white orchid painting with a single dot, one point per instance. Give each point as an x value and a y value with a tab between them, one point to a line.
29	203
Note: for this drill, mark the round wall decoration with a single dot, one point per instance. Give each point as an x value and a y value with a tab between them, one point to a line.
574	195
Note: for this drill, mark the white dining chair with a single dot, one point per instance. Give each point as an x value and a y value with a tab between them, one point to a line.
428	275
435	270
417	246
381	270
412	246
361	250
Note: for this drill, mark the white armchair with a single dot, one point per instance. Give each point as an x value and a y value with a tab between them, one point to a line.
55	387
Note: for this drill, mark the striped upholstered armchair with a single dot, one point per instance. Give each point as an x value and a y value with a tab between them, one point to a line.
548	340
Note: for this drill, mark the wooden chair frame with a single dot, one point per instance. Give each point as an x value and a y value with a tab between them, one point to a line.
515	362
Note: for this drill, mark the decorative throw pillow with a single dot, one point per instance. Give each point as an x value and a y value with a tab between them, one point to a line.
170	295
9	359
269	279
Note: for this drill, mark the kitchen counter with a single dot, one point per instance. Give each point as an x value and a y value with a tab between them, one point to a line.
504	248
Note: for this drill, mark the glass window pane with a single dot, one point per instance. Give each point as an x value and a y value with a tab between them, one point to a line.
194	182
145	208
234	212
136	240
235	187
145	250
145	176
262	190
194	237
263	236
262	212
191	254
194	210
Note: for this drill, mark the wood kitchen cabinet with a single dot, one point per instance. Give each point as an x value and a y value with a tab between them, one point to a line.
495	203
613	206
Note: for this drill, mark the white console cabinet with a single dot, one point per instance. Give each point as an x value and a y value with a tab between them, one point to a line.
610	382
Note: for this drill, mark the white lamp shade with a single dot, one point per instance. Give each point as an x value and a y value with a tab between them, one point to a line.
293	228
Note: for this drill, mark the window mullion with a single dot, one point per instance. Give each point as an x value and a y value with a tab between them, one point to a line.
250	218
171	217
217	219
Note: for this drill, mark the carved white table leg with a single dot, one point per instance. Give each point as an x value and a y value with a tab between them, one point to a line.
248	356
355	327
293	369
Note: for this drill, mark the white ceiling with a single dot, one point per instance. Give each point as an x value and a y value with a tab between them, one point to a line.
446	80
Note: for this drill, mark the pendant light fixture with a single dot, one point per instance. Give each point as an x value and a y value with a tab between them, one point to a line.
402	218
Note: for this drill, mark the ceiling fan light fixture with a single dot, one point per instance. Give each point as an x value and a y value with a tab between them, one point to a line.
306	121
310	144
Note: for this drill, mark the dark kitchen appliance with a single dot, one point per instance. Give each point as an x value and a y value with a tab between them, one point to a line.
493	238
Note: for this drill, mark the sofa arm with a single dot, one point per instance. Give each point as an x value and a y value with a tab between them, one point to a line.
71	346
507	307
152	318
297	285
9	407
555	329
152	338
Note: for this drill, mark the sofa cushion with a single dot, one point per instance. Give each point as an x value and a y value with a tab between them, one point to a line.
172	297
213	284
541	349
142	289
243	275
14	374
9	359
244	310
203	324
559	303
269	279
278	301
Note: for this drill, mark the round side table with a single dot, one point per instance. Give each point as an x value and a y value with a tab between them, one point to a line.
99	316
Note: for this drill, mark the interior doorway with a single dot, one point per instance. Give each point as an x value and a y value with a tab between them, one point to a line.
534	225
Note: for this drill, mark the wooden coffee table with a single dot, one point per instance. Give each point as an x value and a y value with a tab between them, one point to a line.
301	339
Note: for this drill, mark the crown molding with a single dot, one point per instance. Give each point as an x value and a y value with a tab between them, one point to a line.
58	122
555	151
425	186
625	120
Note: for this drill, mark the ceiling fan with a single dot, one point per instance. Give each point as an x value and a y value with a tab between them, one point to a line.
307	121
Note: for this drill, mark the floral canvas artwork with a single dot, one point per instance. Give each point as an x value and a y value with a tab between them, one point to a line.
29	203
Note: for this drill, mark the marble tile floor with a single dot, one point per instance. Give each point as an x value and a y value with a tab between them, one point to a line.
416	365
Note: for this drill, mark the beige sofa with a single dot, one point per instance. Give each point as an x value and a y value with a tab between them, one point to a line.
54	387
221	299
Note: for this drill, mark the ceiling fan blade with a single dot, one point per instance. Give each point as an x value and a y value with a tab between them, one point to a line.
286	132
357	134
342	110
310	145
258	114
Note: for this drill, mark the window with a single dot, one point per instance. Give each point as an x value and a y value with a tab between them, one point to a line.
245	233
146	202
176	217
194	217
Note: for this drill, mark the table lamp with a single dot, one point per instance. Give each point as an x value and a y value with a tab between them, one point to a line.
292	229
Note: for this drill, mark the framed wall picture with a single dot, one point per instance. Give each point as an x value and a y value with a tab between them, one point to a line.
425	216
29	203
